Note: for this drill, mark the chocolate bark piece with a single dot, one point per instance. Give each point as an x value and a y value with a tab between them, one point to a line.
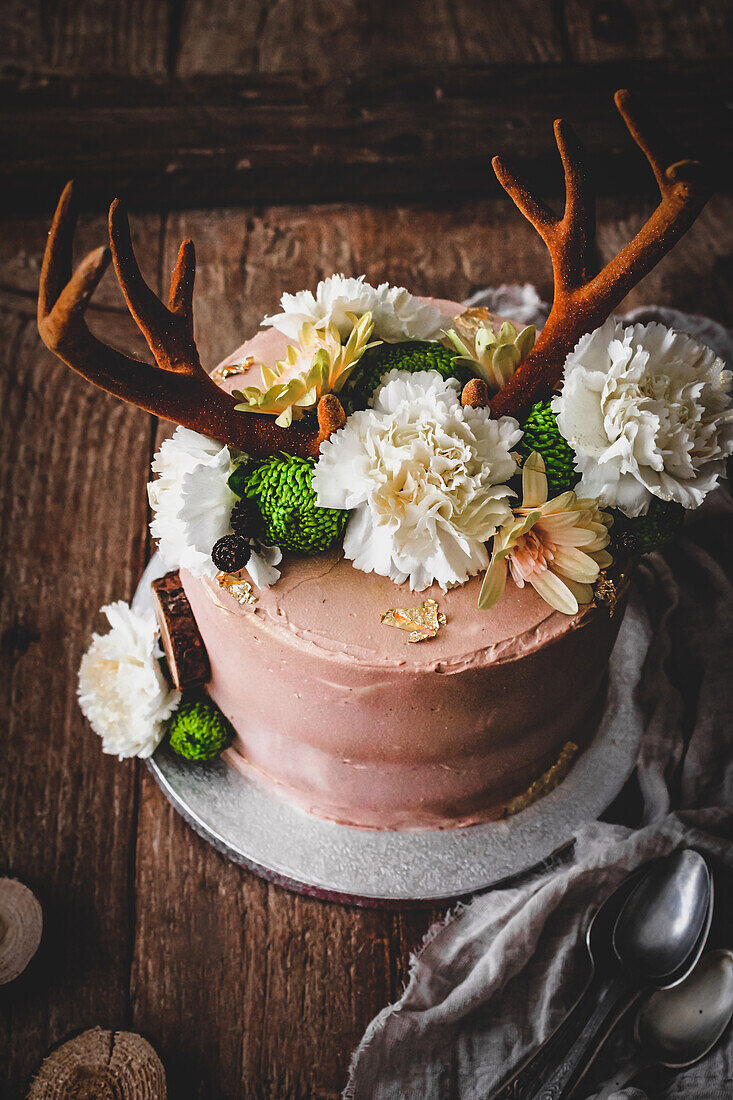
188	661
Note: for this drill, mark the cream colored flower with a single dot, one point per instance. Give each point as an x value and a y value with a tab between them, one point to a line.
493	356
122	690
192	504
647	411
424	479
557	546
320	364
397	314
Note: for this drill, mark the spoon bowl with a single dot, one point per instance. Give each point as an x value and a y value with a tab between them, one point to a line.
677	1027
662	928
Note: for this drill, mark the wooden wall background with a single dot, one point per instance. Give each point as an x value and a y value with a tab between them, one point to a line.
289	138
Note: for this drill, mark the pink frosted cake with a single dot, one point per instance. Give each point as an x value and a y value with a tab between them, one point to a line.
398	532
360	725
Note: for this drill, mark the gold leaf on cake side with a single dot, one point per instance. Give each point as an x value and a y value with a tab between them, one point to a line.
546	782
605	592
423	621
237	587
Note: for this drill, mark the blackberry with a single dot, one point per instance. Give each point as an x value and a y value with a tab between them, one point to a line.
231	553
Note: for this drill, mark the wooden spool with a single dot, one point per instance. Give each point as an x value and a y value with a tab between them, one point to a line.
188	661
101	1065
21	925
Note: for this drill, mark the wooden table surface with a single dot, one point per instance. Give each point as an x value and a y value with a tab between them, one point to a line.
245	990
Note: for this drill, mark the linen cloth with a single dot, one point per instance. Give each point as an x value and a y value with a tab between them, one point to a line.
496	977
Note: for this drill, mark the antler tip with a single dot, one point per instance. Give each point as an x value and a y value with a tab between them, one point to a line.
622	98
500	170
117	214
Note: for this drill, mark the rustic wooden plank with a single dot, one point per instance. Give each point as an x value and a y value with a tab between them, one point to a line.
329	40
73	515
412	134
614	30
696	275
78	37
23	240
248	991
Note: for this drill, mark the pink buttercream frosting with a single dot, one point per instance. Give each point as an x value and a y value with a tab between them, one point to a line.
352	721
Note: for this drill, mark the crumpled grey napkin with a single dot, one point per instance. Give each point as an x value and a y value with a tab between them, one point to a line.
495	978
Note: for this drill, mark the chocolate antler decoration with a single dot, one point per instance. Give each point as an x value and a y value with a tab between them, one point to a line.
177	388
582	301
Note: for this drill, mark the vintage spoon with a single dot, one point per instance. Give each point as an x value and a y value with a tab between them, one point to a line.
677	1027
529	1075
658	938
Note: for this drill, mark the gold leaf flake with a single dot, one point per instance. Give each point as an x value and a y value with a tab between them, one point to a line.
546	782
605	591
423	621
221	373
236	586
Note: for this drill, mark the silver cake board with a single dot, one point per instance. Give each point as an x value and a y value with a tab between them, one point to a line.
256	828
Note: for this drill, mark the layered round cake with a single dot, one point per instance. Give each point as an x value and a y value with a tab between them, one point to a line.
352	722
347	717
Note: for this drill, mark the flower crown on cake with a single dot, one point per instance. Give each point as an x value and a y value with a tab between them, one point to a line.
430	448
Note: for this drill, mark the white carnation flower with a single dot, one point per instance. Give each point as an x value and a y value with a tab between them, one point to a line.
648	414
192	503
397	314
122	690
424	479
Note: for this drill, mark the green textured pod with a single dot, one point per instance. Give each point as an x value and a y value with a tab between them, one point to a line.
409	355
542	434
198	730
641	534
281	488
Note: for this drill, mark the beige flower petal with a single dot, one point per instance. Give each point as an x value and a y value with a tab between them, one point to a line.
555	592
582	592
575	564
534	481
494	583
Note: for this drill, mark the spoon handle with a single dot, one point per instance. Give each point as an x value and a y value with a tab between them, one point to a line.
613	999
525	1080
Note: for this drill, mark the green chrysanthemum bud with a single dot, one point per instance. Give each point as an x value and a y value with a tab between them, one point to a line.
409	355
198	730
661	523
542	434
281	488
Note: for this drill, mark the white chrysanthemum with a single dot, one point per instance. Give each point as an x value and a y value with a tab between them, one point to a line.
397	314
648	413
424	479
192	504
122	690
